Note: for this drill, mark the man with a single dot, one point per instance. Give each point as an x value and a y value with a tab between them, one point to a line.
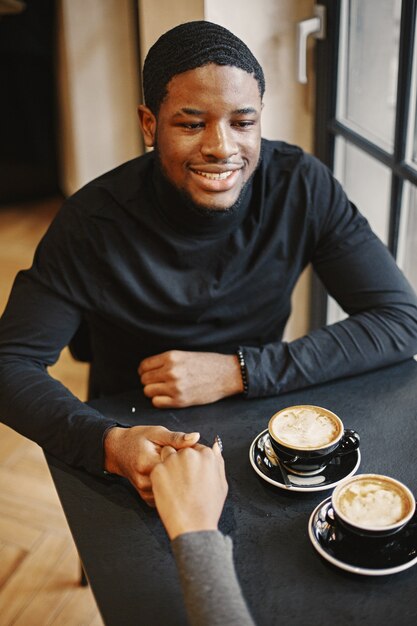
182	262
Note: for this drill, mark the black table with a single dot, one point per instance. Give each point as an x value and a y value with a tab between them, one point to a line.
126	554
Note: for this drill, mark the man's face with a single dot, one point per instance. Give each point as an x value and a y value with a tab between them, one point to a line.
208	133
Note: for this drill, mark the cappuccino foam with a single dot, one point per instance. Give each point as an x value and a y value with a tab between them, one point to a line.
305	427
373	503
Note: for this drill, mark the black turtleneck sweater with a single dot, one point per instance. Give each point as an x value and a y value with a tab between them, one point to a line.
148	275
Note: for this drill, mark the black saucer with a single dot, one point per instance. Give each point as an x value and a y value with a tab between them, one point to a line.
337	470
359	555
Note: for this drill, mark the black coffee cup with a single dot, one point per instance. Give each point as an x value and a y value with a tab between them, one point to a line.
305	438
372	505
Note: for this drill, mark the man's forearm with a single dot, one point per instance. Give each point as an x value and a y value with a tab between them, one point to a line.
42	409
381	329
358	344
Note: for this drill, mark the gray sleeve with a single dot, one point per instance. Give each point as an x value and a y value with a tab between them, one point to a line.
212	593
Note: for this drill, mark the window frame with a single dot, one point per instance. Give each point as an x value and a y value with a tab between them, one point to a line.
328	127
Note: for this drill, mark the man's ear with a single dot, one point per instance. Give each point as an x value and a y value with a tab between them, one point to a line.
147	122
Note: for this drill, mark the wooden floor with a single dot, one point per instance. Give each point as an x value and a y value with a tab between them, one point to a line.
39	567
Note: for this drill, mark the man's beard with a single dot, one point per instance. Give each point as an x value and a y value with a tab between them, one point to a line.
201	209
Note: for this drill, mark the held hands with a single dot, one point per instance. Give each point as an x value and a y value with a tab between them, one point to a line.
179	379
170	379
134	452
189	488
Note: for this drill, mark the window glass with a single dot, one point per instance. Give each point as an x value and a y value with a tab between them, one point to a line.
368	185
370	33
411	155
407	244
367	182
414	156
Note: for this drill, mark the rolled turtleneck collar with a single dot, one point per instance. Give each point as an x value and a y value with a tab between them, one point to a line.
180	216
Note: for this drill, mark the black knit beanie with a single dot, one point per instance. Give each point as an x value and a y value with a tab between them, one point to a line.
192	45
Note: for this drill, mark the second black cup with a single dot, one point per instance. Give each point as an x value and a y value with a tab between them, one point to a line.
305	438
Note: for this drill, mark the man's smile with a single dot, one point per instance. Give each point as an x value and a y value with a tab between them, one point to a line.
215	181
213	176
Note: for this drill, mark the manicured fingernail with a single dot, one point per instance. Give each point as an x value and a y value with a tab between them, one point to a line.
219	442
189	436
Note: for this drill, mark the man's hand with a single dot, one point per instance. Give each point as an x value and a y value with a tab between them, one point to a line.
190	488
179	379
134	452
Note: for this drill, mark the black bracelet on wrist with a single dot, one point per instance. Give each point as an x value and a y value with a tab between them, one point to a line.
243	371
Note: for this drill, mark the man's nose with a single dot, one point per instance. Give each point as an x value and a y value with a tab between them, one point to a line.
218	142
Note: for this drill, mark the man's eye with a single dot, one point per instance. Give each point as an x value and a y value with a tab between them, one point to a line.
192	125
244	123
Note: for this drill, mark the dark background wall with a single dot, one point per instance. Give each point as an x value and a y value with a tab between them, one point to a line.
28	146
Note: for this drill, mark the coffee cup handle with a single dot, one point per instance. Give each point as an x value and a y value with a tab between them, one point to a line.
349	442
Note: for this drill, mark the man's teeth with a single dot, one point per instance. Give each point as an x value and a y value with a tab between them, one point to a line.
213	176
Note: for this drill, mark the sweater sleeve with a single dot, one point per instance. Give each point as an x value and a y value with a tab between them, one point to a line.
359	272
40	319
35	327
211	590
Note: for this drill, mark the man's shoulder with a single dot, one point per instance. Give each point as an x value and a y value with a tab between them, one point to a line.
105	205
120	186
284	156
